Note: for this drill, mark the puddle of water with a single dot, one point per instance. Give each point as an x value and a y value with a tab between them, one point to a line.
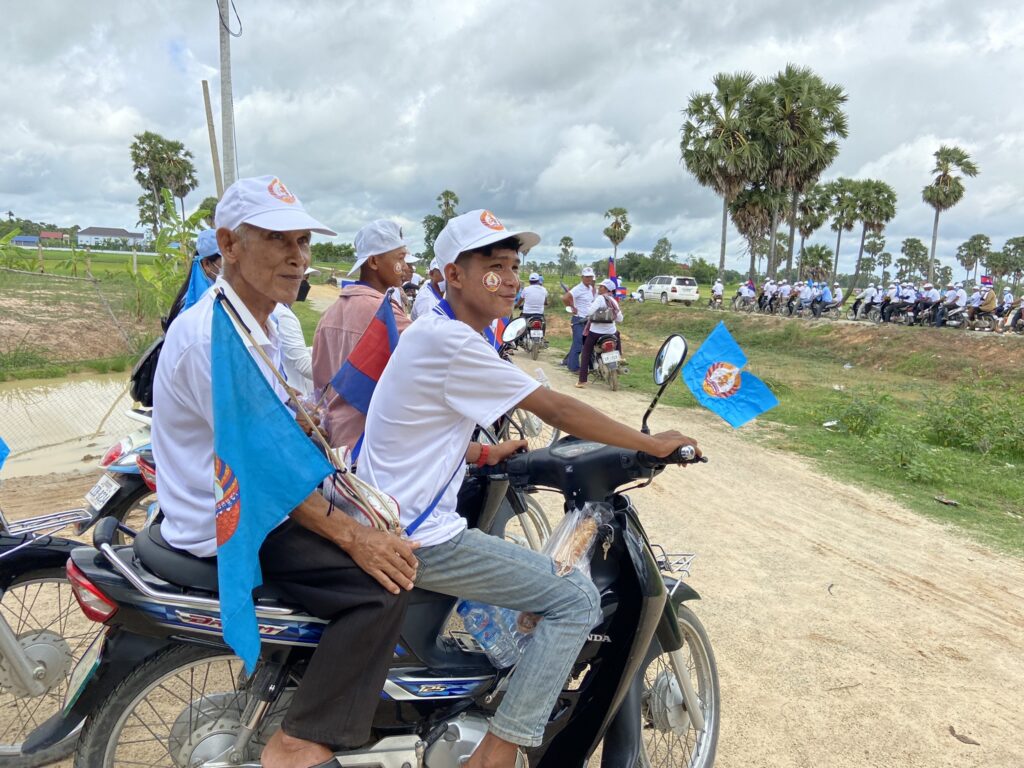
52	425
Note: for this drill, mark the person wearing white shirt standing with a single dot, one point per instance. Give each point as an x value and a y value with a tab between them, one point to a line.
296	358
428	295
354	577
579	300
605	301
442	380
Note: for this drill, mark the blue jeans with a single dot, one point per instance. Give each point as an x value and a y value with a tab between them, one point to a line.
485	568
572	360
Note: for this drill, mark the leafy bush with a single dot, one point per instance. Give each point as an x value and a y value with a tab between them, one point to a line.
862	416
899	450
981	416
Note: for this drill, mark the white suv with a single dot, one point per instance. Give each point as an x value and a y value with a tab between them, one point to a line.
668	288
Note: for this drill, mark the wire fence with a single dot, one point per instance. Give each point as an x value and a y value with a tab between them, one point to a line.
53	325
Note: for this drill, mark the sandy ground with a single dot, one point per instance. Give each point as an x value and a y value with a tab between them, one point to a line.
848	631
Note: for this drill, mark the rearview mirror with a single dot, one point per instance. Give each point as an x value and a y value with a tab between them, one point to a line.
670	359
513	330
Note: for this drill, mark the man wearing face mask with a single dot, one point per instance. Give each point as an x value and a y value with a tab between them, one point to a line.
380	263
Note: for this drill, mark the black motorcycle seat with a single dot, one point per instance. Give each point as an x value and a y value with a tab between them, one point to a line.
174	565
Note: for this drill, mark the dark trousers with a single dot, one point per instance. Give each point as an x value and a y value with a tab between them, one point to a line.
572	360
337	697
588	352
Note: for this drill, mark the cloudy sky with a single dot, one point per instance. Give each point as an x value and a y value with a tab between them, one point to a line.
548	113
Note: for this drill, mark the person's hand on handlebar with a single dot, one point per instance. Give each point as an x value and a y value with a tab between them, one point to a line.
495	453
664	443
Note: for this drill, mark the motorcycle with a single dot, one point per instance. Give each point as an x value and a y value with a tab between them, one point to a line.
534	340
42	633
715	302
161	688
605	360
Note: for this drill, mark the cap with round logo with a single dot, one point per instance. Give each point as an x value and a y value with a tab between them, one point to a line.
377	237
265	202
475	229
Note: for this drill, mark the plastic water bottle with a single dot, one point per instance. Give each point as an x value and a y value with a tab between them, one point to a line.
486	624
542	378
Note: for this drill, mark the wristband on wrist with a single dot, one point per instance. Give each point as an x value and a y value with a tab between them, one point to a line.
485	451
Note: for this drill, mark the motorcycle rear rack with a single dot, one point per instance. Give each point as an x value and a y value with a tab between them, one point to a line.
44	524
673	564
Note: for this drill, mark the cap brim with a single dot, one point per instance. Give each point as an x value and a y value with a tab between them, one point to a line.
526	240
358	264
281	220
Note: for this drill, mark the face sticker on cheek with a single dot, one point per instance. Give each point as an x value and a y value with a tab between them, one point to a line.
492	281
398	267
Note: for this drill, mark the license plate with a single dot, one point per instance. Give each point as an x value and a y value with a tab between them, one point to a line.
84	671
611	357
102	492
537	334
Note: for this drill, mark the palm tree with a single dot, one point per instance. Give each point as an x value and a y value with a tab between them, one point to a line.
446	202
716	145
915	259
947	189
875	203
815	261
800	121
812	213
618	229
884	259
751	212
842	196
973	252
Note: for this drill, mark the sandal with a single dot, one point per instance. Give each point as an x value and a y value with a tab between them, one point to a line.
580	384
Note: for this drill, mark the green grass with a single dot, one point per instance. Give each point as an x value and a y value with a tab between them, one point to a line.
890	403
40	368
308	318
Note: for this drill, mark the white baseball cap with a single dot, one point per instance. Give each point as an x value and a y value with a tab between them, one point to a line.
411	258
434	265
375	238
416	279
265	202
534	277
587	272
609	285
475	229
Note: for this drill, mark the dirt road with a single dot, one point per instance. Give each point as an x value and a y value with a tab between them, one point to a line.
848	631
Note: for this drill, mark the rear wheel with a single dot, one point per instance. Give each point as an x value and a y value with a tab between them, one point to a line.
613	379
669	738
41	610
664	298
687	303
534	349
640	295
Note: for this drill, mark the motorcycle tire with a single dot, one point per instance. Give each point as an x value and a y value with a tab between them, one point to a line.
107	726
661	744
535	350
29	713
613	379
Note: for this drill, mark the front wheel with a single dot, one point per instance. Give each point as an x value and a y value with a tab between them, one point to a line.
669	738
640	295
53	633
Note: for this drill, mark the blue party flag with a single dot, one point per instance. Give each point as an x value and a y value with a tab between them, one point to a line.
198	283
264	466
4	452
715	377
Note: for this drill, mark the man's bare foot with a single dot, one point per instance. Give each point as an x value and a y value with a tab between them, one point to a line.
284	751
493	752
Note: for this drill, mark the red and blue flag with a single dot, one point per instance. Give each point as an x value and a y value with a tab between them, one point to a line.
358	376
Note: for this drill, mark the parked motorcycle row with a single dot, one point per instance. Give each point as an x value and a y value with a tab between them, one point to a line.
114	651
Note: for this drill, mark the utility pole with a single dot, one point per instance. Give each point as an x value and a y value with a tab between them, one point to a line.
218	180
227	106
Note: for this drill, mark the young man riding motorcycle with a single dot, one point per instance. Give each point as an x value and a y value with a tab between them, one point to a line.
330	565
442	380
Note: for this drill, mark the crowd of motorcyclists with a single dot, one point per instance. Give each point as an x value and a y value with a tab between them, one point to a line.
978	307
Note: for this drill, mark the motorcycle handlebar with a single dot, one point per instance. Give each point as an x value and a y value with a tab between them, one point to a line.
684	454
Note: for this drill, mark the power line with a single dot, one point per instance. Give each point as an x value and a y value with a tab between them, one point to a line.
224	22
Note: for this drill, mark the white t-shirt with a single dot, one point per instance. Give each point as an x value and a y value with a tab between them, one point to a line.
837	297
601	328
442	380
583	297
183	420
932	294
425	301
961	297
717	289
534	296
296	359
